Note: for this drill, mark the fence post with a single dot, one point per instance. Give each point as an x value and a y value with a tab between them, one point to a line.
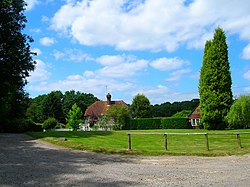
206	141
129	141
238	140
166	141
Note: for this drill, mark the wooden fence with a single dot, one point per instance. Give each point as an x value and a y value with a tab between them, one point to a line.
205	135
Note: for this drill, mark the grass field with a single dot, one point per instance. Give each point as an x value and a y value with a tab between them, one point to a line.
151	144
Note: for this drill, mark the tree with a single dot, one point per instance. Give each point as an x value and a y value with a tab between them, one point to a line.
15	61
52	106
141	107
182	114
74	117
119	114
215	83
238	116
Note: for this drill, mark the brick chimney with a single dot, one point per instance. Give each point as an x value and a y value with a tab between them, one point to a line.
108	99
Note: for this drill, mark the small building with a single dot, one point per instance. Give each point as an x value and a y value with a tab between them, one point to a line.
194	118
97	109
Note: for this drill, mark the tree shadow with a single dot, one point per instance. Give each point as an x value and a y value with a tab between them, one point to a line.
28	162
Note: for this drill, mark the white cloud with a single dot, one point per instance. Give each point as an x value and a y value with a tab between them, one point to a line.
151	25
120	66
73	55
168	63
246	52
40	73
160	93
176	75
31	4
247	75
37	51
47	41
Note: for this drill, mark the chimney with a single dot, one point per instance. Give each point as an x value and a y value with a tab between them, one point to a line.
108	99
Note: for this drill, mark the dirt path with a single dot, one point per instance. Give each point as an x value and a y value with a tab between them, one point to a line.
28	162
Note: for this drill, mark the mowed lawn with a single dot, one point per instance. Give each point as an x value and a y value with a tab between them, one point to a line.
151	144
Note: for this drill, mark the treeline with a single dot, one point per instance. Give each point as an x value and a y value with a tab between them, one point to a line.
168	109
57	105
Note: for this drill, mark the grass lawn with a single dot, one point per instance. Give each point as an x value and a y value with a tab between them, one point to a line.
151	144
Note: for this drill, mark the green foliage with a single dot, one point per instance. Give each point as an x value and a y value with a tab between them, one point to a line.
119	115
50	123
141	107
52	106
215	83
15	63
74	117
238	116
144	123
175	123
21	125
182	114
55	104
169	109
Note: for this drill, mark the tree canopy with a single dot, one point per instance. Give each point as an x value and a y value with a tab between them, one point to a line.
238	116
74	117
16	61
141	107
215	82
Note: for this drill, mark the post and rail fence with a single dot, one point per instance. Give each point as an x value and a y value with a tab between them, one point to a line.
205	134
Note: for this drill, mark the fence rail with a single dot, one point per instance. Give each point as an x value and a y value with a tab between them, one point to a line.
205	134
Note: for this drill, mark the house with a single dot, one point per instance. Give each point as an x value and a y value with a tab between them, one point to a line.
97	109
194	118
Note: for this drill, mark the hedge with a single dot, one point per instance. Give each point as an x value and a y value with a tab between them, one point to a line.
157	123
143	124
175	123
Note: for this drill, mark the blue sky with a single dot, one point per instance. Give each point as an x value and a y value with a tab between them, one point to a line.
153	47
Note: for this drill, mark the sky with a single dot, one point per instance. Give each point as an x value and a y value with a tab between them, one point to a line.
126	47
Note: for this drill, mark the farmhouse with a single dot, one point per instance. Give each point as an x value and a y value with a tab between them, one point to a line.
194	118
99	108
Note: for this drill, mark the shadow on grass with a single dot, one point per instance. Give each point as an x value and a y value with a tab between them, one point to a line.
70	134
24	162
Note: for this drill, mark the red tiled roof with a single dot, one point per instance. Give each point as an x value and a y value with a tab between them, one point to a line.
101	107
195	114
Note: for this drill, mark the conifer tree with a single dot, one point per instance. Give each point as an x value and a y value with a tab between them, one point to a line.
215	83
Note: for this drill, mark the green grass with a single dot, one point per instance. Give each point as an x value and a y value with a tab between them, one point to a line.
116	142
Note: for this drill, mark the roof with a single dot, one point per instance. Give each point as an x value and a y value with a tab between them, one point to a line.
101	107
195	114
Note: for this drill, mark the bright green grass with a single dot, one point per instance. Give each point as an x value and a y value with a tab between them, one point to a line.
150	144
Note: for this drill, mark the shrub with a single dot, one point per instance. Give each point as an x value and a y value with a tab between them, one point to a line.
175	123
50	123
144	123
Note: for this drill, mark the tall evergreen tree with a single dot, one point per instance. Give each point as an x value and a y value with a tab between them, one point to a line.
15	61
215	83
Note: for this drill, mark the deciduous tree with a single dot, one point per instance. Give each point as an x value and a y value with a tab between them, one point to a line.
15	60
141	107
238	116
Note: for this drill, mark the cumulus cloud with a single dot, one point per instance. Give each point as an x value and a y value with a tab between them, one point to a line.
247	75
151	25
37	51
168	63
246	52
47	41
31	4
176	75
40	74
73	55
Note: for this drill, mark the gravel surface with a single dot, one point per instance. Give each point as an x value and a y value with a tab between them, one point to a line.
28	162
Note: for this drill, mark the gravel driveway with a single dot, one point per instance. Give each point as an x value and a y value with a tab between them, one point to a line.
28	162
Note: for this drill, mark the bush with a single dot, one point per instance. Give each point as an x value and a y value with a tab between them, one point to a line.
175	123
20	126
143	124
50	123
